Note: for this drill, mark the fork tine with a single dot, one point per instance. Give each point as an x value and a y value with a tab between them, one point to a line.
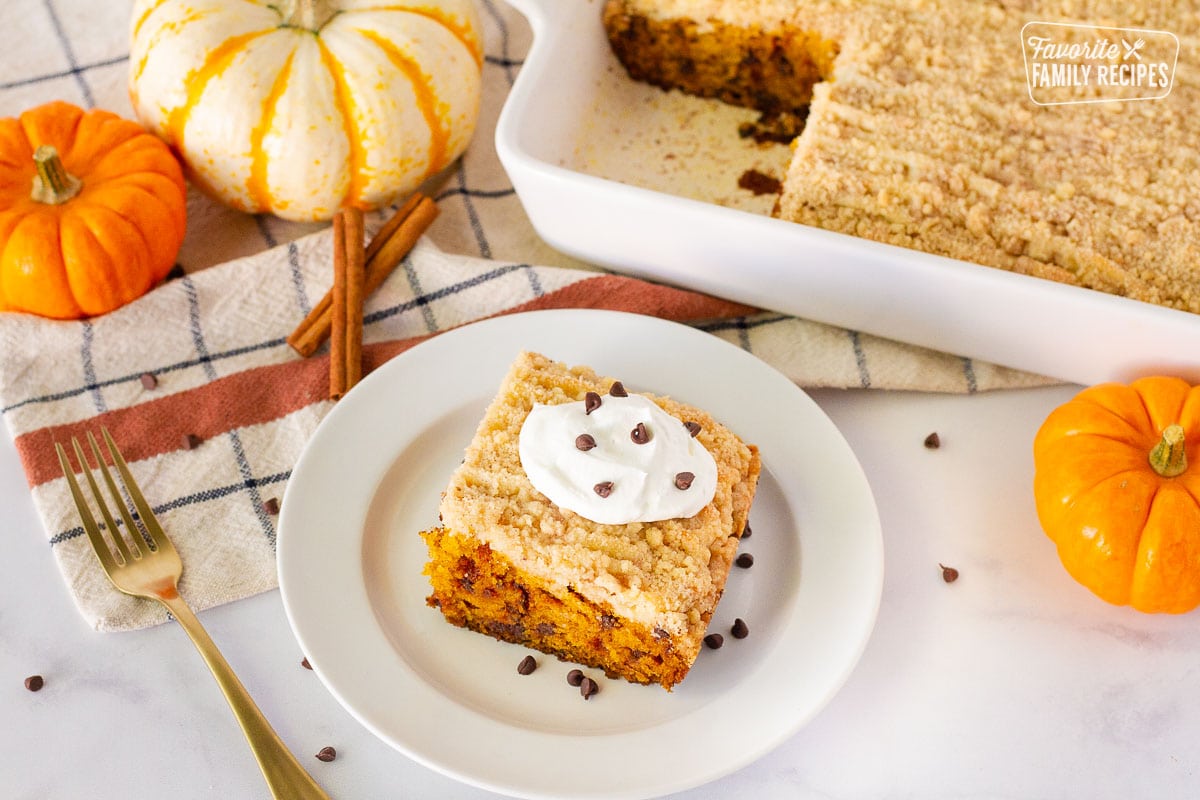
161	542
114	532
135	538
103	552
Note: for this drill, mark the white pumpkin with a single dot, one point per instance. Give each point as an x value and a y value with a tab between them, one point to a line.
301	107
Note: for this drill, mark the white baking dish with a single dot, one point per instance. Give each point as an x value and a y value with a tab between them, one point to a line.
1062	331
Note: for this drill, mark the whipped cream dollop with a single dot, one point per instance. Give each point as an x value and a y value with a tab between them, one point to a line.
616	459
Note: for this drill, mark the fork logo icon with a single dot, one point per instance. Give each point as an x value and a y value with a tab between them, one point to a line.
1132	49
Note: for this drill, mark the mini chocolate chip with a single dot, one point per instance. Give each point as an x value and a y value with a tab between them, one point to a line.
149	381
575	677
528	664
618	390
608	622
588	687
584	442
746	530
639	434
659	633
327	754
271	505
683	480
604	488
740	630
190	441
949	574
34	683
714	641
692	427
591	401
745	560
304	663
933	441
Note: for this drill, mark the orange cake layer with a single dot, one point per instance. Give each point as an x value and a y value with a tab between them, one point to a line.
921	132
632	599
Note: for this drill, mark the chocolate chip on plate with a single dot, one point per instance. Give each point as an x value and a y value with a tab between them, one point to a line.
714	641
949	574
933	441
575	677
326	754
588	687
527	666
740	629
34	683
746	530
304	663
745	560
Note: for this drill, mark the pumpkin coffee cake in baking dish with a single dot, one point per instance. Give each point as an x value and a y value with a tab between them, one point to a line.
914	123
592	523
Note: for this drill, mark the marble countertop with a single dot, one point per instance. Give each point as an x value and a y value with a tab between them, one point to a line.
1011	682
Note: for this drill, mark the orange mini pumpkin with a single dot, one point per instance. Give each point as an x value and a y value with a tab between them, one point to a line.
1117	487
92	211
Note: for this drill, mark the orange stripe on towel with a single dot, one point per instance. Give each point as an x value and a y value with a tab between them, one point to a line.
262	394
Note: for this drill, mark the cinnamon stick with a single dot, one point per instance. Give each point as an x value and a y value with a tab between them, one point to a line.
337	317
355	284
384	253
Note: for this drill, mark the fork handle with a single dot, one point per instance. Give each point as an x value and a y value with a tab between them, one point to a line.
284	775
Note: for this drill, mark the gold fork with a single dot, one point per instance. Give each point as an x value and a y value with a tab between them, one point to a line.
146	564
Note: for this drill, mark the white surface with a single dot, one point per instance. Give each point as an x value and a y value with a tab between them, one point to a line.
948	305
373	473
1013	682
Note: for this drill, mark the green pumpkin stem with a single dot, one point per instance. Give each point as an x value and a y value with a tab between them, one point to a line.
52	184
1168	456
310	15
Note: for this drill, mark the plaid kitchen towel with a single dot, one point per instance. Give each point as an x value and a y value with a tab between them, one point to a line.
212	407
212	338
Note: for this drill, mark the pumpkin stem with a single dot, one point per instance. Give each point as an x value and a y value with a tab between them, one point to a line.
52	184
1168	457
307	14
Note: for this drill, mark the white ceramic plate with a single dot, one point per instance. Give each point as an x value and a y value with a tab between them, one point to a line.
350	564
556	109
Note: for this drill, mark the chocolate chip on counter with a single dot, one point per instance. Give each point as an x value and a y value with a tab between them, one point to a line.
618	390
527	666
683	480
949	574
639	434
933	441
190	441
604	488
739	630
34	683
575	677
744	560
585	442
588	687
714	641
326	754
271	506
149	381
304	663
692	427
591	401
